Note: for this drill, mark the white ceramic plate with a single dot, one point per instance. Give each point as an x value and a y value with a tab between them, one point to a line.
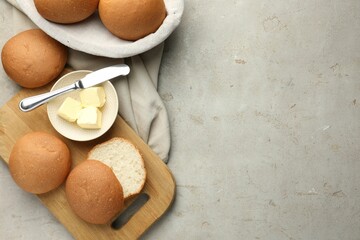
92	37
72	130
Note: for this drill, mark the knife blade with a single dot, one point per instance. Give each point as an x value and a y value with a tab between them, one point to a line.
90	80
104	74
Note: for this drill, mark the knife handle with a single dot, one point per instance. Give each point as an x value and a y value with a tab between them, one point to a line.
30	103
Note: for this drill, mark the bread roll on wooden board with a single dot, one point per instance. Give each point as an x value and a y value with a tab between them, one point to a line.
39	162
94	193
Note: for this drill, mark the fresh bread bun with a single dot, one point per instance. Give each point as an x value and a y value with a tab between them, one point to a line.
94	193
39	162
60	11
132	19
126	162
33	59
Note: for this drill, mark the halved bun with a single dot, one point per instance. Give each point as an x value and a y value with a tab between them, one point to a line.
126	162
39	162
132	19
94	193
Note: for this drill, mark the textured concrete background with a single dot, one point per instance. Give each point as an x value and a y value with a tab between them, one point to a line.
264	103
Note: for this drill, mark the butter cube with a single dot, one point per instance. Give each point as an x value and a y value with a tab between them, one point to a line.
94	96
89	118
69	109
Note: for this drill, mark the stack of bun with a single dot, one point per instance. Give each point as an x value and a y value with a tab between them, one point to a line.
97	188
126	162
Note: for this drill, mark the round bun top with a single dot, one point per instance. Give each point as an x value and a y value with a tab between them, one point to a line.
94	193
132	19
60	11
33	59
39	162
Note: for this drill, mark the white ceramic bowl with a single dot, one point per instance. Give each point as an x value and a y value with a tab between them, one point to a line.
72	130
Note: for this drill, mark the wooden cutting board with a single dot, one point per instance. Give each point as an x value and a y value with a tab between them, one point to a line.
159	186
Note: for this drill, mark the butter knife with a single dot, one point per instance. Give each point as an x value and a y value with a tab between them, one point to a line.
90	80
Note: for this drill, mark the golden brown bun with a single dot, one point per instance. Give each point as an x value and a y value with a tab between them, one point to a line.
33	59
61	11
94	193
132	19
39	162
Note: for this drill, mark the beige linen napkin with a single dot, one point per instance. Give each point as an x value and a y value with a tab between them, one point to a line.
140	105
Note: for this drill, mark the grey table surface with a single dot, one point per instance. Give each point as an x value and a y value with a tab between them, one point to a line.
263	99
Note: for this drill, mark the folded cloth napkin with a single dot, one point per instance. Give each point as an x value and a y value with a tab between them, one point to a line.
140	105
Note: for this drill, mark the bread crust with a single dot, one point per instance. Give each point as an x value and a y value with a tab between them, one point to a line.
66	12
132	19
39	162
32	58
89	156
94	193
